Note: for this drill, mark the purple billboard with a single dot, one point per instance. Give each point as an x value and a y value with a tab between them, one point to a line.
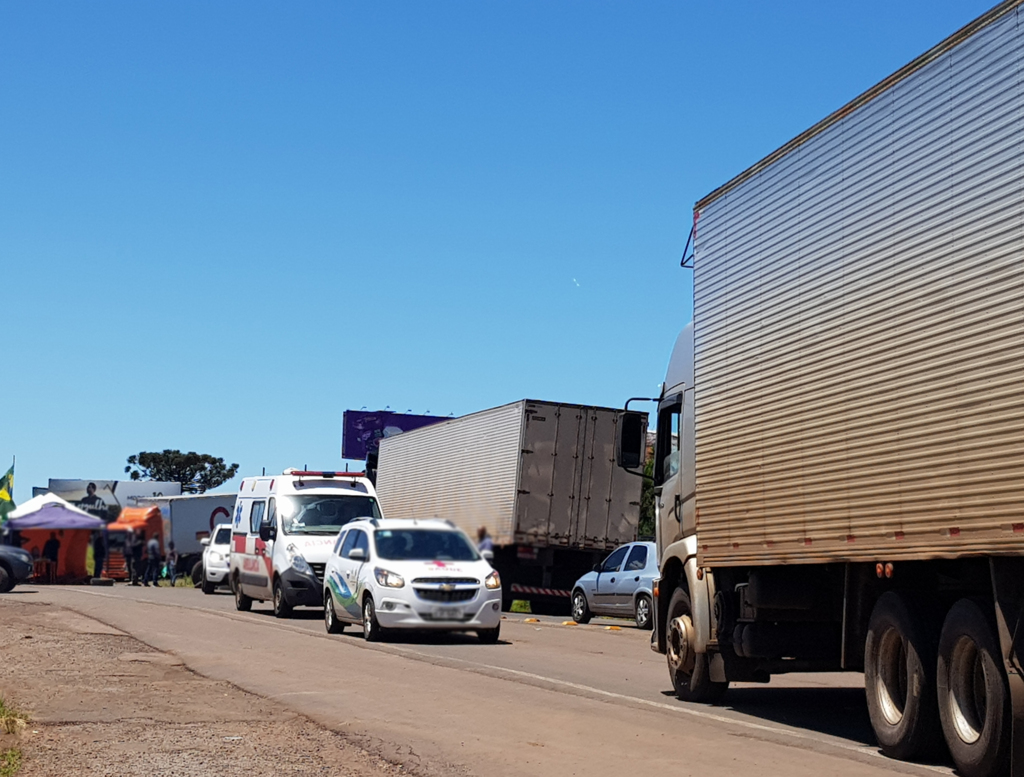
361	430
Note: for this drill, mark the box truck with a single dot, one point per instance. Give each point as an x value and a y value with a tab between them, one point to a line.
540	477
847	489
188	519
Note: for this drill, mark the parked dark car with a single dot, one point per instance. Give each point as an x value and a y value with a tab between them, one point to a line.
15	567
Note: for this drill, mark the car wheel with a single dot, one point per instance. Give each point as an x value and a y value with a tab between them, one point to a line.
642	612
371	628
489	636
281	607
974	700
580	608
197	574
6	580
690	672
207	586
243	603
334	626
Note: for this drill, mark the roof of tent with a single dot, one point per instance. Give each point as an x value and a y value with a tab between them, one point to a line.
49	511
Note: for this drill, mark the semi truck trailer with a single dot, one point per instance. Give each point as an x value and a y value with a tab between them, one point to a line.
540	477
840	452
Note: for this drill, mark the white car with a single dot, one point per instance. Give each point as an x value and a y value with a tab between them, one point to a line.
216	558
410	574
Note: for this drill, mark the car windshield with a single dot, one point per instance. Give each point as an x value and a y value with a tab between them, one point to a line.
223	536
423	545
323	513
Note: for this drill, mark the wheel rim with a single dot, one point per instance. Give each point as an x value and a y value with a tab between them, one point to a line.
277	598
578	604
968	695
329	612
679	653
643	611
368	618
891	676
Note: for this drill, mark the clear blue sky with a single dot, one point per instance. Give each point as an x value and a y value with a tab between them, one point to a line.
222	224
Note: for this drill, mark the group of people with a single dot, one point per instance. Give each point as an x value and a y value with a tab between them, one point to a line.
142	557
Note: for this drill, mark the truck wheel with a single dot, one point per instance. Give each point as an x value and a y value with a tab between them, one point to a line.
690	672
243	603
371	628
207	586
281	607
642	613
6	580
899	678
197	574
580	608
974	700
334	626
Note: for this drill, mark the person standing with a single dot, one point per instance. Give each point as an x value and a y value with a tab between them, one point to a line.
99	552
138	546
152	562
483	540
172	563
51	552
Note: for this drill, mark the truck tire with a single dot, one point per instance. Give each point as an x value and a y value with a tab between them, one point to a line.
6	580
281	607
899	677
691	682
580	609
197	574
643	612
243	603
331	622
973	696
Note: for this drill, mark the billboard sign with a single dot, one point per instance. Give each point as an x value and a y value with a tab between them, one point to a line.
106	498
362	431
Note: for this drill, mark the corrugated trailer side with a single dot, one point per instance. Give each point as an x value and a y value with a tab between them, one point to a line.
464	470
859	325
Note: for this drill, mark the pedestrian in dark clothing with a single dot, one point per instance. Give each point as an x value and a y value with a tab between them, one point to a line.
172	563
137	549
51	548
152	562
99	552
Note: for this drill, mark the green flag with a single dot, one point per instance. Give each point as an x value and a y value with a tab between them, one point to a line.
6	489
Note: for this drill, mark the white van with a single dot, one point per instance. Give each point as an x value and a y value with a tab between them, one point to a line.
283	529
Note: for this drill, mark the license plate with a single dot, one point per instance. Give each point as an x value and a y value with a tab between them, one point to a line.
446	613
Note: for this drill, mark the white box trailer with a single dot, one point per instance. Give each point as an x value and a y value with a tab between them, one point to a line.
540	476
851	493
190	518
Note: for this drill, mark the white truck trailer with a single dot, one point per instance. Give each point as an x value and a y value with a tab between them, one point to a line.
540	476
188	519
848	488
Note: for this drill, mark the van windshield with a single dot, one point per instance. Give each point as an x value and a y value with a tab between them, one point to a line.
423	545
323	513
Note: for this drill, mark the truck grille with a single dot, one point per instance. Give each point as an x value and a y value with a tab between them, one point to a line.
437	595
318	570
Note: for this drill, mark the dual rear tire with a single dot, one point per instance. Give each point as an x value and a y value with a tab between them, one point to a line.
931	681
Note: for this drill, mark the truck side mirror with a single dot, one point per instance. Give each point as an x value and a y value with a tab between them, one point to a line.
630	440
267	532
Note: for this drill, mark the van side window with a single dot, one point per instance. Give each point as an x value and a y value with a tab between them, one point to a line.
337	545
256	516
272	511
350	540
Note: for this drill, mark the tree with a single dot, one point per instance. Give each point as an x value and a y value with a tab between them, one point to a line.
197	472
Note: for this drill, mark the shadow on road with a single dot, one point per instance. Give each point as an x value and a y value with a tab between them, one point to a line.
839	712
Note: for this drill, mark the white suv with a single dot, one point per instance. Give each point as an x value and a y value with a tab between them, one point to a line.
410	574
216	557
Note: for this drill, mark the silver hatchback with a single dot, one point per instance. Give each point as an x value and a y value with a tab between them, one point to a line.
620	585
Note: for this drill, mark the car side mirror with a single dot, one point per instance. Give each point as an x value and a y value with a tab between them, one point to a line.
267	532
488	555
204	541
630	440
357	554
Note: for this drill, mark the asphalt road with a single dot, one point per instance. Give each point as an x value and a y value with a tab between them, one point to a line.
549	699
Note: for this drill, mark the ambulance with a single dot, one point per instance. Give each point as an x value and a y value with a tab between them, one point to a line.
283	529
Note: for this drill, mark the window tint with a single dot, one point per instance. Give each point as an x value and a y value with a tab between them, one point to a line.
614	561
355	539
637	558
256	516
346	546
667	457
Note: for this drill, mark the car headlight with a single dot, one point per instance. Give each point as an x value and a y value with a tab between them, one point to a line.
299	563
493	580
215	557
388	579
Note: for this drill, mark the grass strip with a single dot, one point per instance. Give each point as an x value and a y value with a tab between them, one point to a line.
10	762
